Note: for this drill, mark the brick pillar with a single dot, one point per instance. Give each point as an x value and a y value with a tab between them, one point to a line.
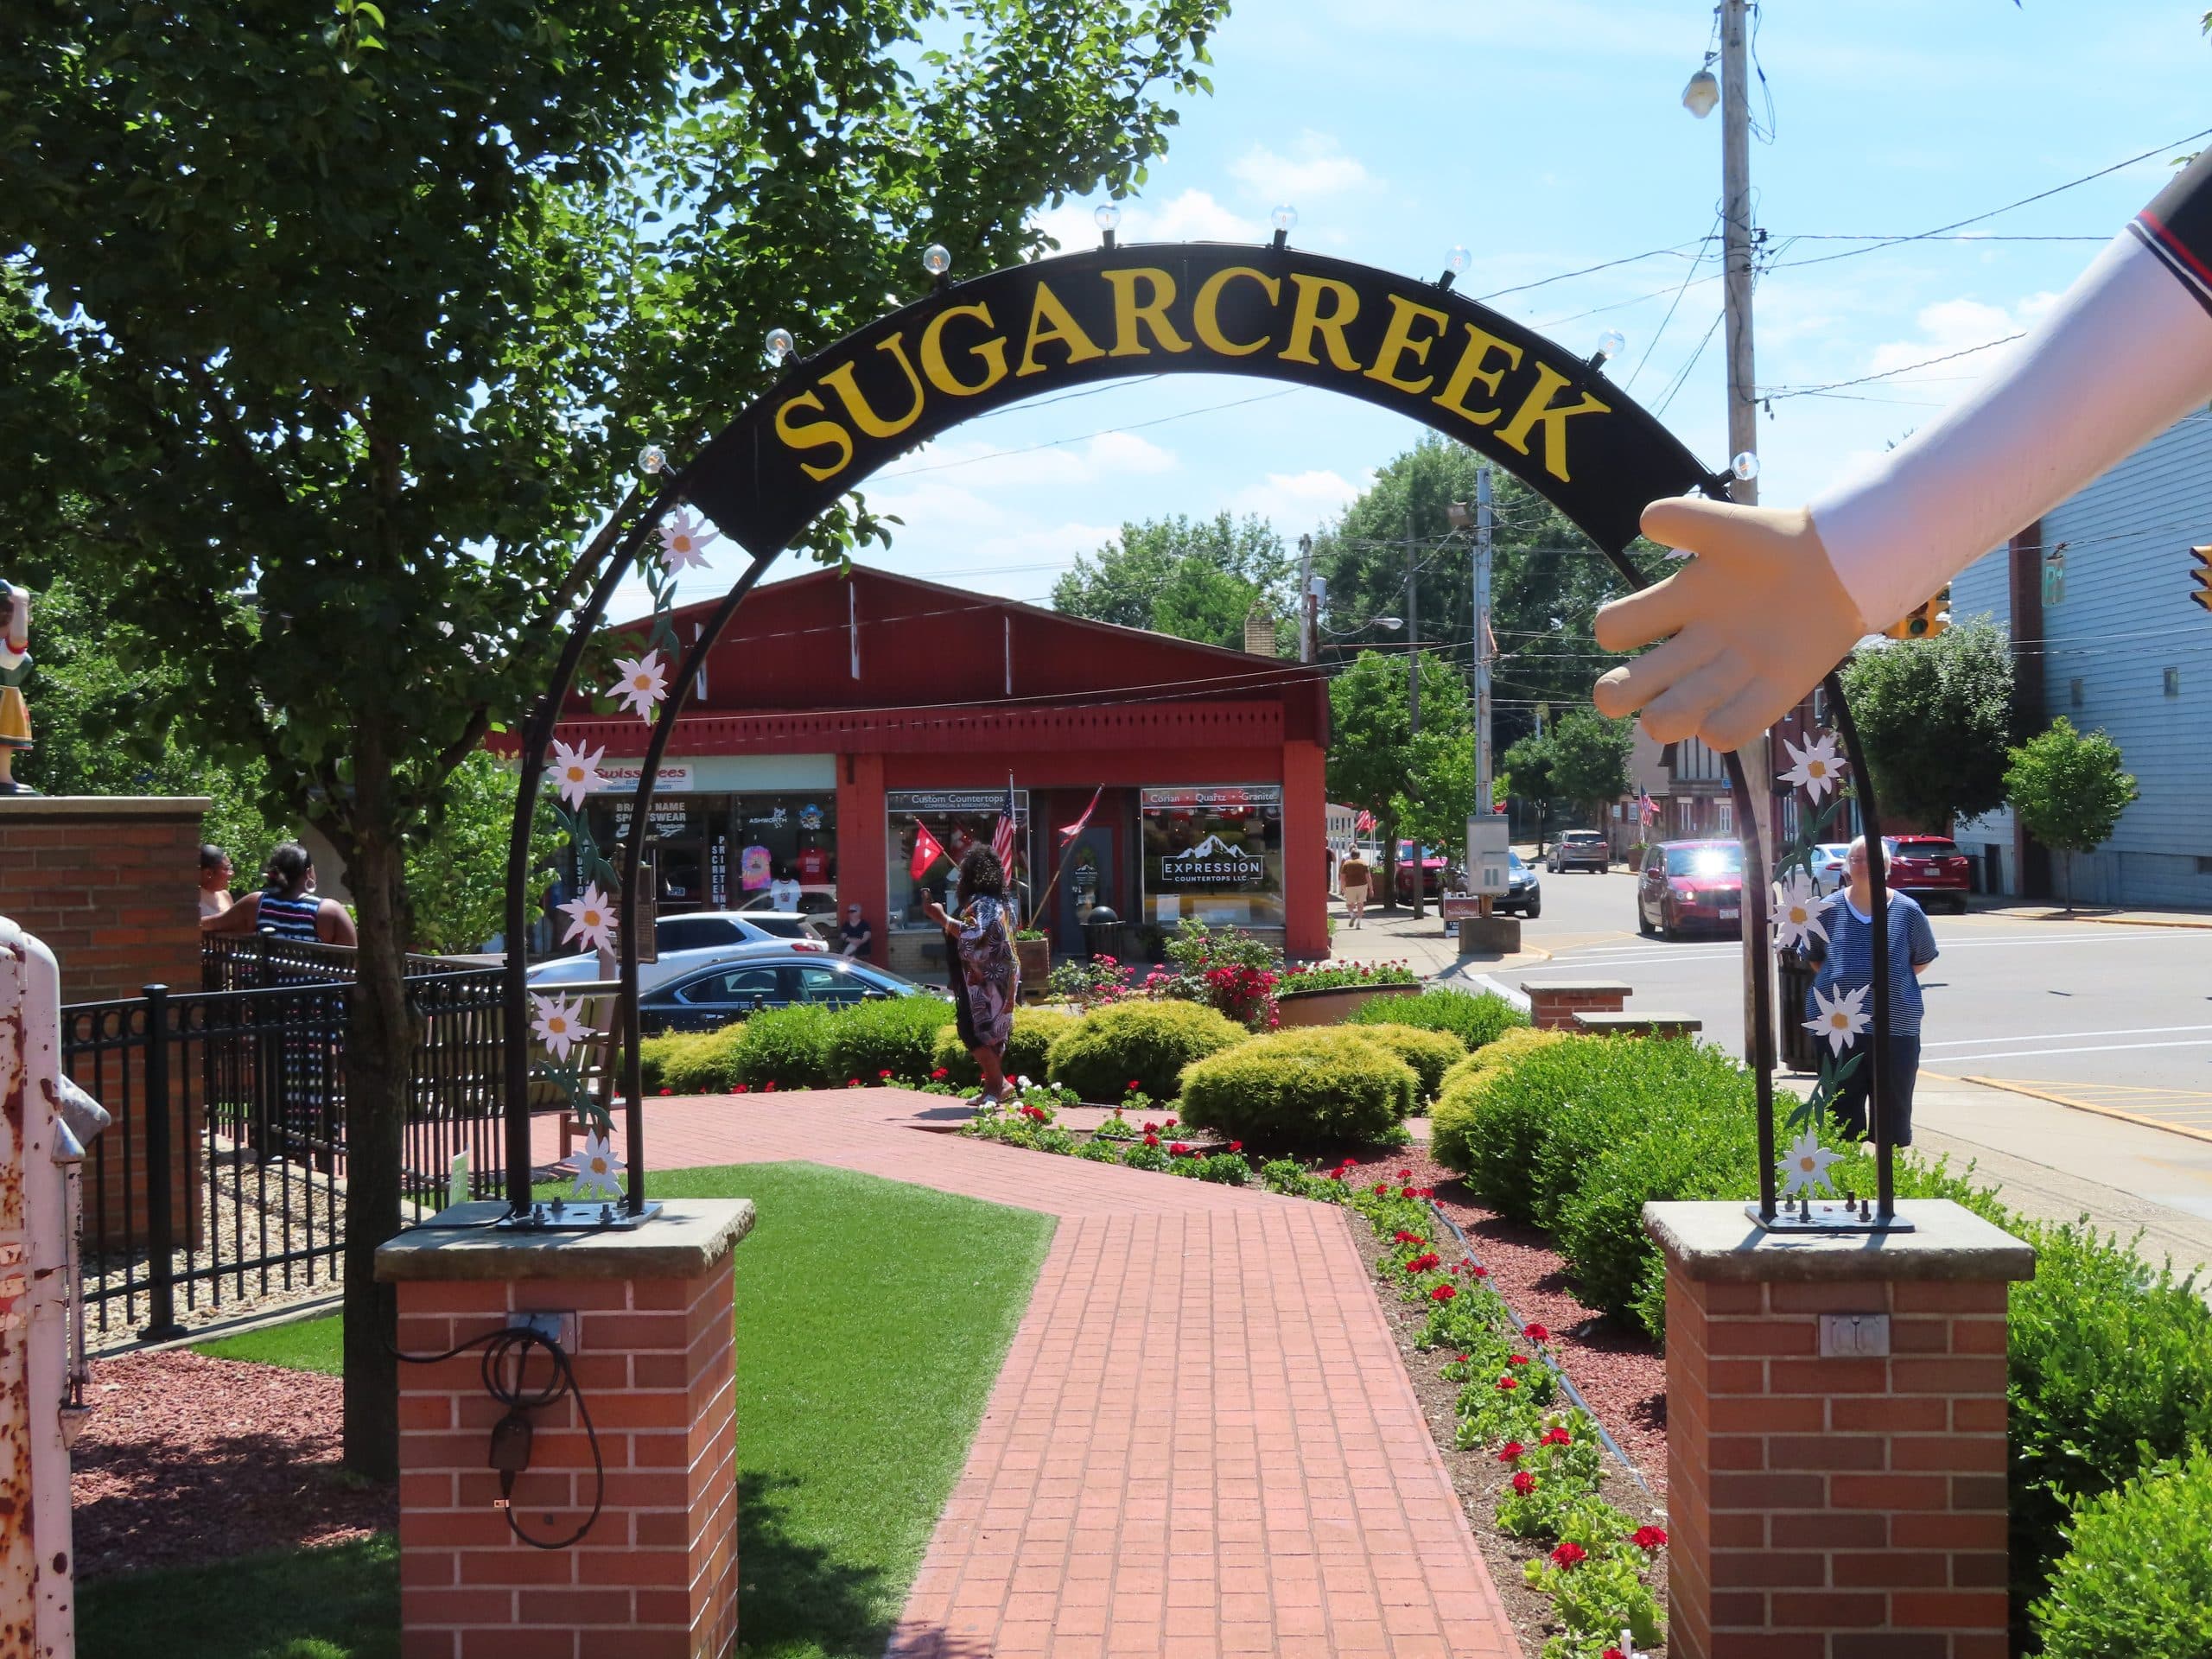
112	885
656	1577
1555	1003
1835	1436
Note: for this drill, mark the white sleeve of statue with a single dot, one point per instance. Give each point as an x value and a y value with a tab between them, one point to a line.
2122	356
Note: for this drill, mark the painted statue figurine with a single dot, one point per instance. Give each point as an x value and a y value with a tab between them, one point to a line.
14	668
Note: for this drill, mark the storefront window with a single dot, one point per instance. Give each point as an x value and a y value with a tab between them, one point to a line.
1214	855
718	852
961	820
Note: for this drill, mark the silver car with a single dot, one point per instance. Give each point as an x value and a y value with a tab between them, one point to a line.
684	945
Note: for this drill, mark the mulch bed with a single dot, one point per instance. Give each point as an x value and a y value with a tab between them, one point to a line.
187	1459
1621	1375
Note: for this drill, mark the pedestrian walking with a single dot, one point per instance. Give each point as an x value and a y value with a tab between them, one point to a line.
1847	964
985	967
1353	881
287	907
214	880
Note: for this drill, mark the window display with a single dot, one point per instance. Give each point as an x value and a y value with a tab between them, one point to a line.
718	852
961	820
1214	854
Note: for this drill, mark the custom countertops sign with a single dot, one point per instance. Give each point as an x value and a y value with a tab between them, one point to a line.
1275	311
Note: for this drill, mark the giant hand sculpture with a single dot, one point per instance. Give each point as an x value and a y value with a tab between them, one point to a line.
1773	600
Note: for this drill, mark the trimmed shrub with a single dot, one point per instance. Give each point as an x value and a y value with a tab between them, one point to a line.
785	1047
2138	1578
1149	1043
1474	1021
675	1053
1643	1089
897	1035
1507	1049
1306	1087
1026	1047
1431	1053
1488	1127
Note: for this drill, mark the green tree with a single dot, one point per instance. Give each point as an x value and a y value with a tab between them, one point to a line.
1937	718
90	683
1546	578
457	869
1529	764
1195	579
1589	756
324	349
2067	789
1375	763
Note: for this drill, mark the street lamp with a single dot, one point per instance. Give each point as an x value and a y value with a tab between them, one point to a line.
1703	93
1389	624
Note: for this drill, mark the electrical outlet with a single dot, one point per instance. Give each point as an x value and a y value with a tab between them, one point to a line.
1854	1336
556	1326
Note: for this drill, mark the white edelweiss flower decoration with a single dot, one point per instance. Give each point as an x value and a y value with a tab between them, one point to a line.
643	685
558	1024
684	542
591	918
1840	1019
576	773
1804	1167
1797	911
1817	767
598	1169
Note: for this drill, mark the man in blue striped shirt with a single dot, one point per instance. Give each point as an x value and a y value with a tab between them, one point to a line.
1847	963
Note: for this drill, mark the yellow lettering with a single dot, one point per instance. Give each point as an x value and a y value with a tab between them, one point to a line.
1045	308
1398	341
1129	315
1538	407
1470	369
1205	310
813	435
1309	320
841	380
992	352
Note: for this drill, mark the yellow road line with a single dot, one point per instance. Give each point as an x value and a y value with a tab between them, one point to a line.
2080	1105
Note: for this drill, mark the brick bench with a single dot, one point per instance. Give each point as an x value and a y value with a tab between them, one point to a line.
1638	1025
1553	1003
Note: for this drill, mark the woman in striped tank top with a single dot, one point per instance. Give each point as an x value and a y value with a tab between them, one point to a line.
286	907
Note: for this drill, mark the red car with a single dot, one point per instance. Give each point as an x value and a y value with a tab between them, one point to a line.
1435	870
1687	884
1927	867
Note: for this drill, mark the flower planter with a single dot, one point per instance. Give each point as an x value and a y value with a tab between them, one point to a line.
1035	958
1335	1005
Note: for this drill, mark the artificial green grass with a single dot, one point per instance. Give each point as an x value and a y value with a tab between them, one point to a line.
872	1319
301	1346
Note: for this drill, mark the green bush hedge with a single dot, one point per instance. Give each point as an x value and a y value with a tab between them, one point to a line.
2138	1579
1474	1021
1451	1118
1148	1043
1026	1046
1431	1053
897	1035
788	1047
674	1061
1310	1086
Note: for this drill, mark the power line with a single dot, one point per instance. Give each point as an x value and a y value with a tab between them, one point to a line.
1928	362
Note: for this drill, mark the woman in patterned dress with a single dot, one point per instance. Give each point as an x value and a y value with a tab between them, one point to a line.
982	937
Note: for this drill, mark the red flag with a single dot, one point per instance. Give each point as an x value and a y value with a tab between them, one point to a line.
926	850
1070	831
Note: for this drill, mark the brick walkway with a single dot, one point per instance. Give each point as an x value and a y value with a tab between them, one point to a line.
1203	1442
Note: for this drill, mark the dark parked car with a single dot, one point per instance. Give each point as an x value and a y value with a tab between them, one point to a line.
710	999
1929	868
1581	849
1687	884
1524	894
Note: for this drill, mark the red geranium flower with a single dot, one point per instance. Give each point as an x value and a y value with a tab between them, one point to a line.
1152	1128
1567	1557
1612	1653
1477	1269
1236	1146
1405	1192
1381	1189
1405	1174
1152	1139
770	1084
1523	1483
1442	1294
1134	1085
668	1091
1401	1236
1462	1359
852	1082
1648	1537
1510	1451
886	1073
1535	1333
743	1088
939	1075
1507	1385
1556	1436
1516	1359
1169	1124
1178	1150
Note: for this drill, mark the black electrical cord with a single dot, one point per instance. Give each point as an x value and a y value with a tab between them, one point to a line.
499	1347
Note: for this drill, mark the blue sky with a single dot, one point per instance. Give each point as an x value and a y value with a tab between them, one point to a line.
1547	135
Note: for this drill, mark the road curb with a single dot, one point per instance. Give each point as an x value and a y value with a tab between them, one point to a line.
2109	921
2077	1105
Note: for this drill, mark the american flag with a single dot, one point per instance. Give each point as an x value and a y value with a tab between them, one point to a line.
1003	838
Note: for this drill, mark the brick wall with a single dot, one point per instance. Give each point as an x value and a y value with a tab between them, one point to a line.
1838	1508
656	1576
1555	1003
111	884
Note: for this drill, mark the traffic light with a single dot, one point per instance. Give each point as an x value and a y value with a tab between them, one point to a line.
1924	622
2202	592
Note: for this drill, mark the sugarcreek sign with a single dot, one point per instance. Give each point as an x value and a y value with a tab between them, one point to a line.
1275	311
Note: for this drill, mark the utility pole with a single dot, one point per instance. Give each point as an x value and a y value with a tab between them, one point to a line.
1483	789
1308	619
1412	705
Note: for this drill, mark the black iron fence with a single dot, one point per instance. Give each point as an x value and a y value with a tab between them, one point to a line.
221	1182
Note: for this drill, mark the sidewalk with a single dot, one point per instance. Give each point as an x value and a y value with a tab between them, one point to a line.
2036	910
1394	935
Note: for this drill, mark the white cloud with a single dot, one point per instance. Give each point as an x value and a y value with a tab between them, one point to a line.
1192	216
1299	497
1319	169
977	468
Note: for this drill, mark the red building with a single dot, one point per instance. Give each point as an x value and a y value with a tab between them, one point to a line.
840	712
